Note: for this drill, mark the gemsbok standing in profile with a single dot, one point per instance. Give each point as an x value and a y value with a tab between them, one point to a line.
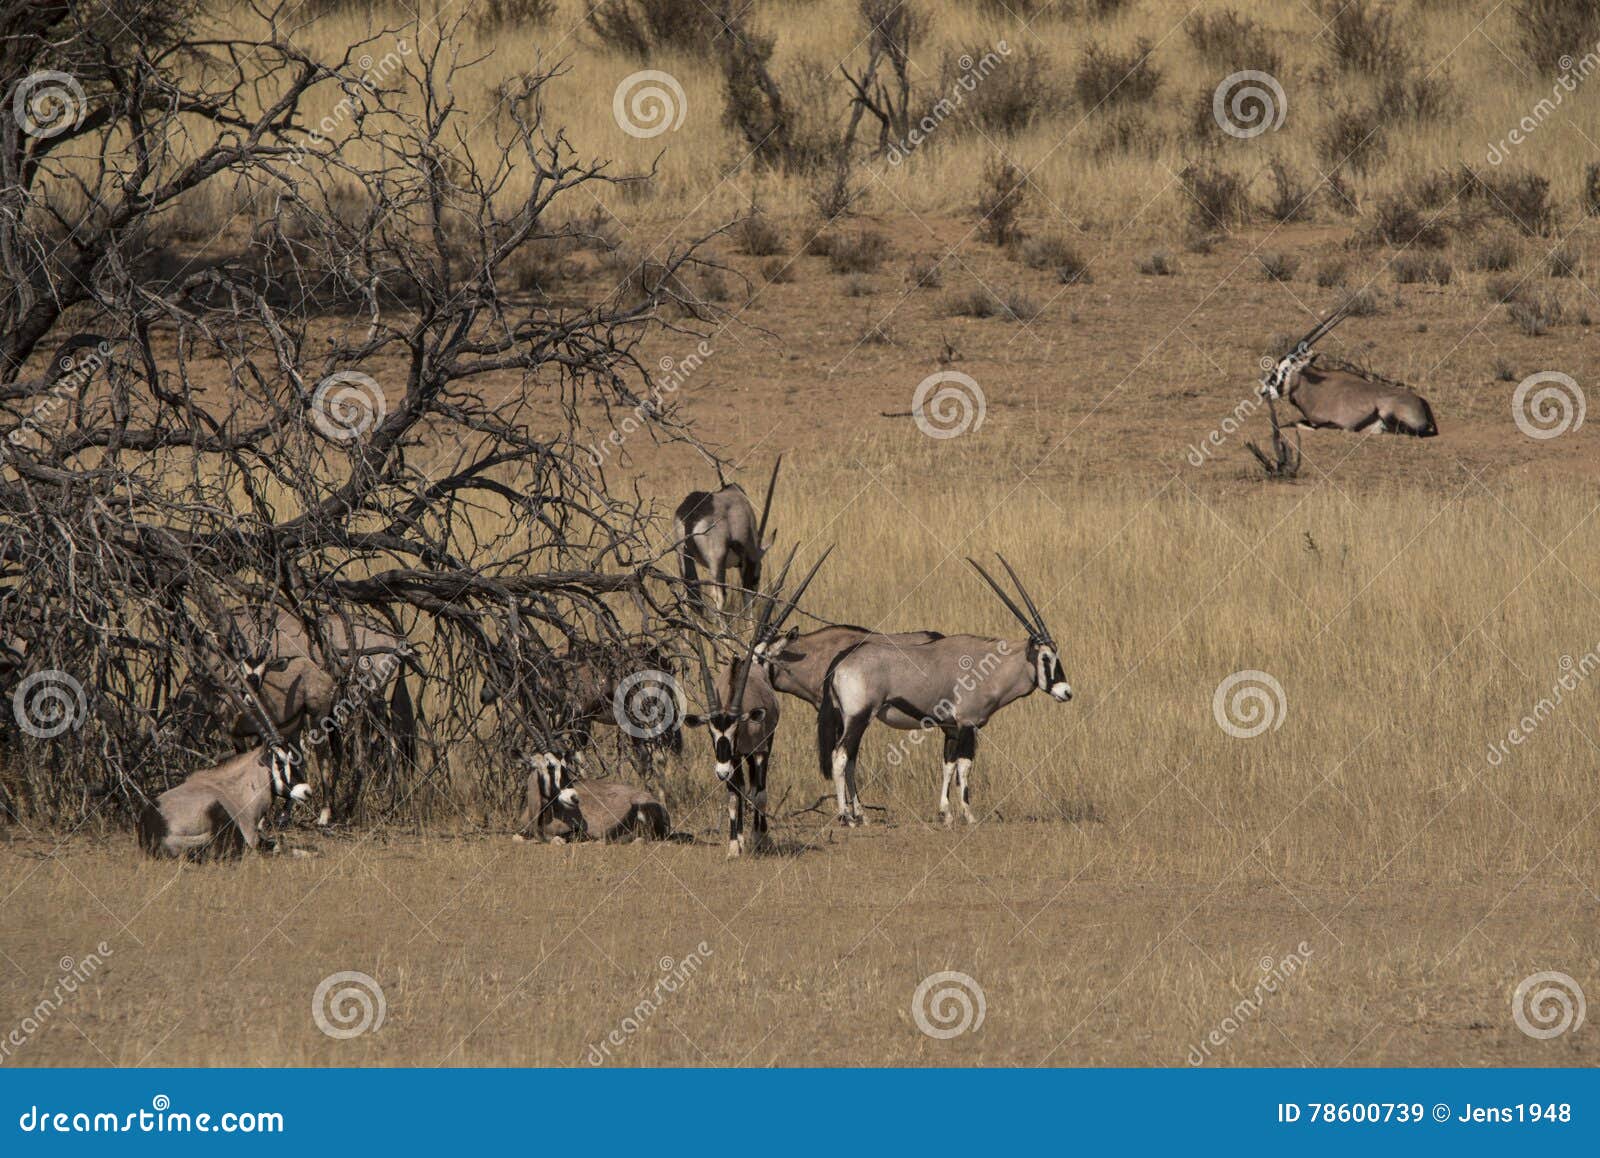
1337	398
218	811
955	683
717	530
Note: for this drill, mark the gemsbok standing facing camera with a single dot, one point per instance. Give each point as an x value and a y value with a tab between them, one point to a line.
719	529
1337	398
742	718
955	683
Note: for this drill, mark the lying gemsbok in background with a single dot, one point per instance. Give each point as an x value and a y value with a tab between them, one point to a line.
1321	398
561	806
218	811
956	684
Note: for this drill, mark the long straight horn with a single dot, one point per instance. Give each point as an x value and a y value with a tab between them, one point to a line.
766	507
1038	620
792	601
1320	330
707	680
1004	598
744	679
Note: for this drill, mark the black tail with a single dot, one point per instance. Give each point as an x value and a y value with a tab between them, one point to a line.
830	717
1432	427
403	719
152	829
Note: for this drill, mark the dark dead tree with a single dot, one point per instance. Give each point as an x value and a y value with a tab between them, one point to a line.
347	413
883	87
1285	460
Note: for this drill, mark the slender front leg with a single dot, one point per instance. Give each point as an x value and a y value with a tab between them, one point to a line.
949	771
966	749
841	762
735	819
758	798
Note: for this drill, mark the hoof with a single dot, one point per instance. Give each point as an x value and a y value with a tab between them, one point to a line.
971	819
947	819
734	850
518	838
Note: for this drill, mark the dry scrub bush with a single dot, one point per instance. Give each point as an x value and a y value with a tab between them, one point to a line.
1108	76
1232	43
1000	202
1553	33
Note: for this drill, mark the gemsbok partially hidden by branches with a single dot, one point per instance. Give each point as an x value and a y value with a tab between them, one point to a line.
1338	397
719	529
562	806
955	683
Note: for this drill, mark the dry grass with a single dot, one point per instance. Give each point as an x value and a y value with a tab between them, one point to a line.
1134	863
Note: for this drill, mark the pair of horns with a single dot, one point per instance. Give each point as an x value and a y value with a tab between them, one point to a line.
766	507
1318	331
1035	624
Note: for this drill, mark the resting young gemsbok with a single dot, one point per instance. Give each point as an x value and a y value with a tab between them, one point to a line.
956	684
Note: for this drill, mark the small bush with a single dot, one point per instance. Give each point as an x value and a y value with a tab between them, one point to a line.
820	244
778	271
856	286
857	251
1000	202
1536	314
1232	43
1548	30
1415	269
1361	303
926	274
641	28
1014	95
1521	198
1278	266
1565	262
979	302
1353	137
1332	273
1400	222
491	16
1417	95
1106	76
1504	371
1217	196
758	236
1493	255
1058	255
1291	197
1158	264
1363	36
1503	288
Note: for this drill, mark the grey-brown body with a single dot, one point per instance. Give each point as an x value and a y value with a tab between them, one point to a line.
1321	398
717	530
217	812
557	807
742	721
798	664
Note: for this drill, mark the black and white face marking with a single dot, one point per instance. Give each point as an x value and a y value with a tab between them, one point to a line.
288	780
1047	673
555	772
1272	386
724	728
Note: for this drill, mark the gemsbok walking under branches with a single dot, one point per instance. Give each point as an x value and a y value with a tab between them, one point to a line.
955	683
717	530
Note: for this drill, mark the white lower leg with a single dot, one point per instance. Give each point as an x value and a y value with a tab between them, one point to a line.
733	818
944	791
964	766
841	761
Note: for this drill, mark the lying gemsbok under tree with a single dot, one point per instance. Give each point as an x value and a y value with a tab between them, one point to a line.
719	529
955	683
1338	397
218	811
561	806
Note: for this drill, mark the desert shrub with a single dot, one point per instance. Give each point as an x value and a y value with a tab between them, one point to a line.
713	285
1565	261
778	270
1493	255
1591	189
1521	198
1400	221
642	27
1278	266
856	286
1332	273
1058	255
875	334
1504	288
1126	131
1291	197
1418	95
1157	264
489	16
1535	314
1416	268
1503	370
1231	42
757	235
1107	76
1353	136
926	274
1363	36
1017	305
1217	197
1019	92
1000	202
1361	303
977	302
1548	30
857	251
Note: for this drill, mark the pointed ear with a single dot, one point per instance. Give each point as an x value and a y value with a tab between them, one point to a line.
756	715
694	721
